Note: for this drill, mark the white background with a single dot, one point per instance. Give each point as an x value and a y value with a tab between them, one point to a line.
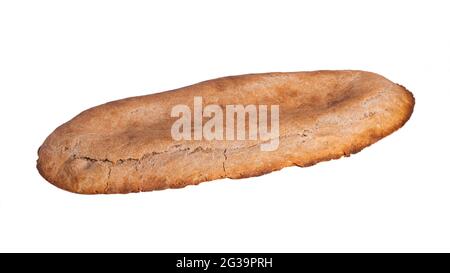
58	58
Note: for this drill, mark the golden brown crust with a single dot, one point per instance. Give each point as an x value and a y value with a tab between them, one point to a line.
125	146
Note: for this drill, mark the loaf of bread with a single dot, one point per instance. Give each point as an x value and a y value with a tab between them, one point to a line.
129	145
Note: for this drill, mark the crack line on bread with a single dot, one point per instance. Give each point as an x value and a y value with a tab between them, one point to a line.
223	163
138	160
107	179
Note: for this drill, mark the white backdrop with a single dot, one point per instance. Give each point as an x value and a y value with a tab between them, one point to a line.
58	58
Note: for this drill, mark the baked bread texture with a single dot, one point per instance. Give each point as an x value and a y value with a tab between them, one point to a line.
126	145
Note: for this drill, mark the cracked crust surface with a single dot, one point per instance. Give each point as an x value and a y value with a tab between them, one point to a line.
126	145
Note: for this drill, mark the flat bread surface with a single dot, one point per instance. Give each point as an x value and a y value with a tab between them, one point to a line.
126	145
